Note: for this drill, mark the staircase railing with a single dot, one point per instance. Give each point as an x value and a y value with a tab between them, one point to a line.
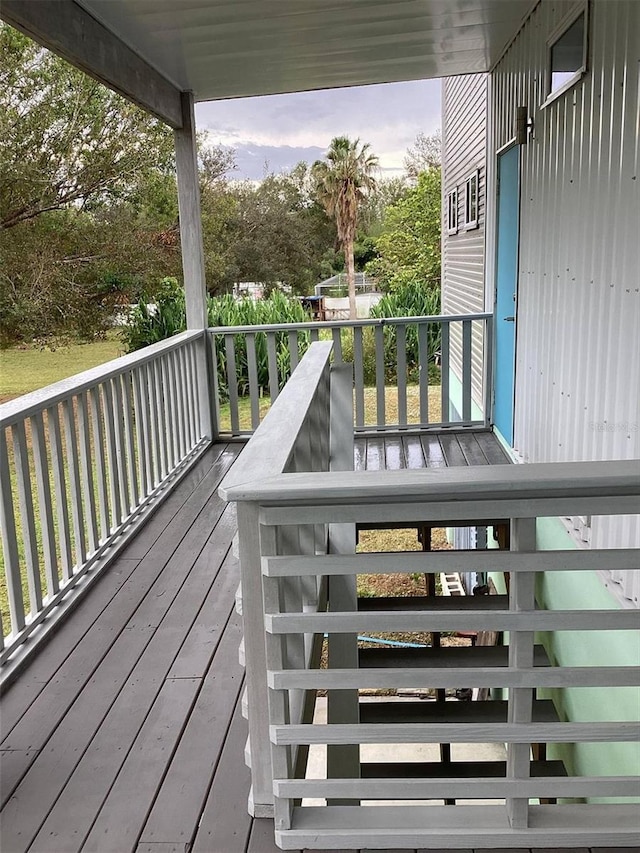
81	463
275	512
404	370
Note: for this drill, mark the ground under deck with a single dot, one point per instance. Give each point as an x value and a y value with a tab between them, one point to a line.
125	732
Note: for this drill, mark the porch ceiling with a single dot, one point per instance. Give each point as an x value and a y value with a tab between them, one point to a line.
234	48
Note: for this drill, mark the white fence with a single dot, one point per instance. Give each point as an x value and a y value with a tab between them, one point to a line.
81	461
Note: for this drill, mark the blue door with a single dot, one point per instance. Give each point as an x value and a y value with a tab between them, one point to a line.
506	286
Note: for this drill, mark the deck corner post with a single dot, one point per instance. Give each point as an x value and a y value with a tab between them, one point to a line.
193	255
261	802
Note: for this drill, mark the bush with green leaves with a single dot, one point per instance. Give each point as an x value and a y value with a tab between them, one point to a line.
153	320
409	300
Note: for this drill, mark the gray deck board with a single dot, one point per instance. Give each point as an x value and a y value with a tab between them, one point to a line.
128	724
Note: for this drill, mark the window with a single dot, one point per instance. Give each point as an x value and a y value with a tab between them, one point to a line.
452	212
471	201
567	53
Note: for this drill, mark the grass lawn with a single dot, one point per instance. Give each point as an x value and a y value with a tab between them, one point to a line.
25	369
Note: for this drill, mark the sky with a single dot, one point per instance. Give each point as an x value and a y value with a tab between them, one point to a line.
281	130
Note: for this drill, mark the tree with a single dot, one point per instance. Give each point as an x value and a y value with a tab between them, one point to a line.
66	139
342	182
426	154
409	246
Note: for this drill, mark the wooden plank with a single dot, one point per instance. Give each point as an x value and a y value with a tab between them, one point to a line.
461	676
262	839
21	695
433	455
336	337
58	757
128	423
196	652
182	795
444	375
452	451
466	371
413	454
394	453
225	824
103	759
40	717
122	815
471	449
491	448
15	763
77	510
360	454
375	454
292	342
121	450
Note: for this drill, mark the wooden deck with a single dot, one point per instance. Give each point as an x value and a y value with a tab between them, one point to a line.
125	733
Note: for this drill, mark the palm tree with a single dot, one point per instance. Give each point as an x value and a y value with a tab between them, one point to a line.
341	182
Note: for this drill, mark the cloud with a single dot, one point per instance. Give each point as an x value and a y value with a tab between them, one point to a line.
387	116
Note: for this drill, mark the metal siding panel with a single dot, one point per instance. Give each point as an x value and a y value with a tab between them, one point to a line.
578	351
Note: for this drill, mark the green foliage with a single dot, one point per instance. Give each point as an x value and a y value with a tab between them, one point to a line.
153	320
409	301
409	245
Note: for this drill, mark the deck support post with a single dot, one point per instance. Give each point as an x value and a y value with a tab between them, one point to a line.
521	643
193	256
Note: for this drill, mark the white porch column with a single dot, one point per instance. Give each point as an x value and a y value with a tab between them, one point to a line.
193	253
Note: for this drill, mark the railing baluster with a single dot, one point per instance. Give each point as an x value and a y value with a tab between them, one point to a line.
10	541
423	371
128	416
187	393
292	336
25	503
401	372
45	505
198	423
140	395
522	599
254	388
380	382
121	452
101	466
179	372
160	423
88	492
174	409
60	491
466	371
77	514
272	360
445	415
358	375
169	436
112	453
232	382
314	335
336	334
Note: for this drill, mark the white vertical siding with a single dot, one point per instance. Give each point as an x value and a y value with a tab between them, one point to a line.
464	111
578	326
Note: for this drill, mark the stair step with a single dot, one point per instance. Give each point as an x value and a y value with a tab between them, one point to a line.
435	602
421	711
446	656
453	769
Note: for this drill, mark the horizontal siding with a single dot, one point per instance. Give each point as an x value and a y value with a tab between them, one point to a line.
578	350
464	101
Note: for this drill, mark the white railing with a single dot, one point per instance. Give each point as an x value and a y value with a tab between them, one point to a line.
80	462
276	509
294	437
402	369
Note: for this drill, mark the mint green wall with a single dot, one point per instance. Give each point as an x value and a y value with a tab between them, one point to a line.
577	590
